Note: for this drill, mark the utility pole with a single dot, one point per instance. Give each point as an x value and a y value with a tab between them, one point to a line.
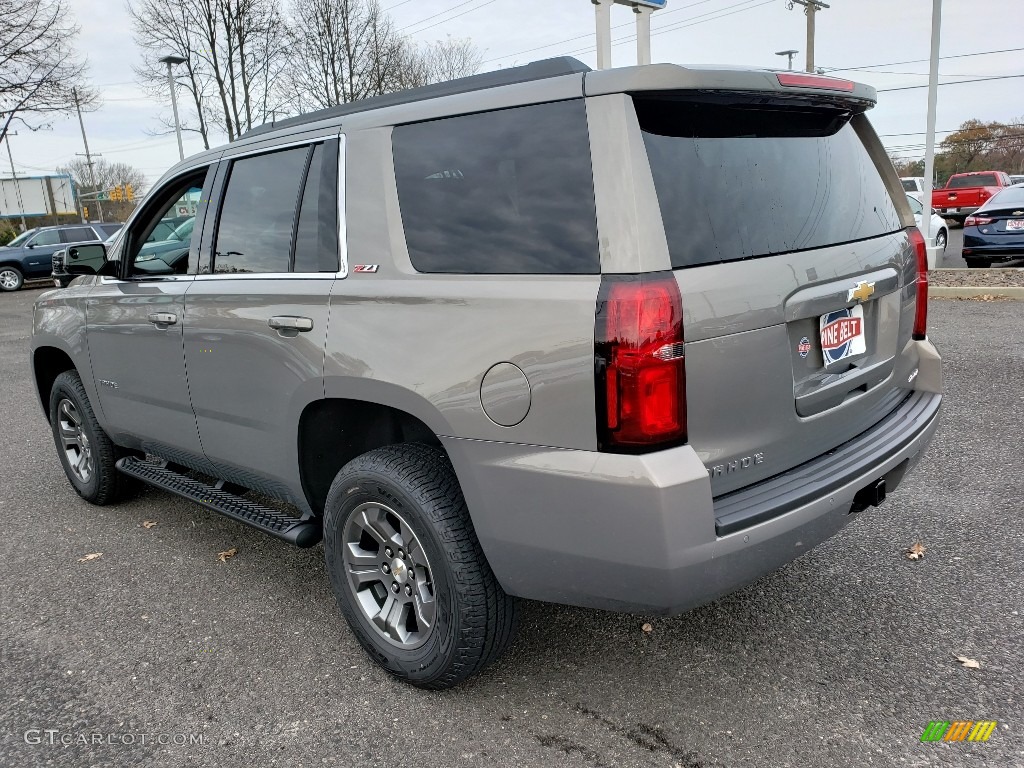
811	7
17	186
88	157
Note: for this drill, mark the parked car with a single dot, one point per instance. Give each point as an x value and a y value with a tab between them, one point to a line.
964	193
166	254
938	224
1016	179
995	232
28	256
397	316
913	185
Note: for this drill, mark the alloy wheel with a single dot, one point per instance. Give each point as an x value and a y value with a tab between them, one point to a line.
75	441
8	279
389	575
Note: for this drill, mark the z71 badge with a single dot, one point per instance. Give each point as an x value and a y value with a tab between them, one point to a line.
365	267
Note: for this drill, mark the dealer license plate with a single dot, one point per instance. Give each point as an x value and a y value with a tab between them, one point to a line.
842	334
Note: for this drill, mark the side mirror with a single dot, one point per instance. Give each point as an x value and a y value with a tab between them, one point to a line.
86	259
30	245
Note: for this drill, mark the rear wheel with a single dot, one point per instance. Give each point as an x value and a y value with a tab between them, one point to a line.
940	241
85	450
408	571
11	279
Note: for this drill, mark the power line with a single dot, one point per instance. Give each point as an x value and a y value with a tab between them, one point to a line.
918	61
452	18
392	7
442	13
958	82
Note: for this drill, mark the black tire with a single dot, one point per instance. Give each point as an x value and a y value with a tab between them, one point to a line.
11	279
474	620
104	484
978	263
941	238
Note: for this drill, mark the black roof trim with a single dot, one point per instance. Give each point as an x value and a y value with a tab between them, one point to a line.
537	70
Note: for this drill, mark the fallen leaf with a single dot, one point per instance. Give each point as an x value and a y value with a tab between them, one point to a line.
227	554
92	556
647	628
968	663
916	551
149	524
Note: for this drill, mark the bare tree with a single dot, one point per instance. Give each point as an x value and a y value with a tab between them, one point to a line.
345	50
108	175
38	65
234	52
162	27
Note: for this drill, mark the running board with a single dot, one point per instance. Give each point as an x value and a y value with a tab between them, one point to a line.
302	533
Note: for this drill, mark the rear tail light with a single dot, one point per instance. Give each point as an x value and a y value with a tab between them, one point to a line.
921	315
640	365
984	193
977	221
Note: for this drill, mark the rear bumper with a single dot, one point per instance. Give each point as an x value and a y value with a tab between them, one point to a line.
642	533
952	212
991	249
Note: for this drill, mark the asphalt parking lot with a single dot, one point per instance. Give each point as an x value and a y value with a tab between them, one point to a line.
840	659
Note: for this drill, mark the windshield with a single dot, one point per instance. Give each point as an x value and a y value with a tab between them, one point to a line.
183	231
20	239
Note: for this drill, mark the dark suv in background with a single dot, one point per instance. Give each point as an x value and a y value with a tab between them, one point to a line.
28	256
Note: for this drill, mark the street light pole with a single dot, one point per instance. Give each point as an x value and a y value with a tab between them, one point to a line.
17	187
88	155
170	60
929	139
790	53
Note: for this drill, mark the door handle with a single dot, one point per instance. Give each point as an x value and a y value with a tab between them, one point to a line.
163	318
289	323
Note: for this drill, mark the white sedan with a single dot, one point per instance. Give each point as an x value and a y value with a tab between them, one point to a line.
940	230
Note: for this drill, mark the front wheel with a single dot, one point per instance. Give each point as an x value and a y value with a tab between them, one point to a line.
407	569
940	241
85	450
11	279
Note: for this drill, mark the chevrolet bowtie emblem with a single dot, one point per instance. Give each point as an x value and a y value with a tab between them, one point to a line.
861	293
1018	213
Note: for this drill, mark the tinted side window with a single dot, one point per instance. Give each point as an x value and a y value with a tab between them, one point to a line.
500	192
737	181
315	248
46	237
78	234
254	233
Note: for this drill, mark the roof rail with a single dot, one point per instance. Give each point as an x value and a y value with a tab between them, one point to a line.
537	70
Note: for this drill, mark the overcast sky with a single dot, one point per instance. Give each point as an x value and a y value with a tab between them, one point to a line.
851	34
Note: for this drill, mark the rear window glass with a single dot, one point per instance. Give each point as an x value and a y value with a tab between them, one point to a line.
1011	196
507	192
910	185
973	180
738	182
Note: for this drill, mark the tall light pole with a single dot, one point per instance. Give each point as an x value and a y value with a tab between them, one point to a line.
17	187
790	53
170	60
929	139
88	156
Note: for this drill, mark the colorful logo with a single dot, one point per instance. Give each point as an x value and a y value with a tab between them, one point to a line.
804	347
959	730
842	334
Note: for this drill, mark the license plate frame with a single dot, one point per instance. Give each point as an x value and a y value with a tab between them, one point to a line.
1015	225
842	334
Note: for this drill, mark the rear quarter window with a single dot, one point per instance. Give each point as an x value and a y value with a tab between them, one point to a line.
744	181
506	192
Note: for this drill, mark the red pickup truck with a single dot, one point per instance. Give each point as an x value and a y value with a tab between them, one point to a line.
965	193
